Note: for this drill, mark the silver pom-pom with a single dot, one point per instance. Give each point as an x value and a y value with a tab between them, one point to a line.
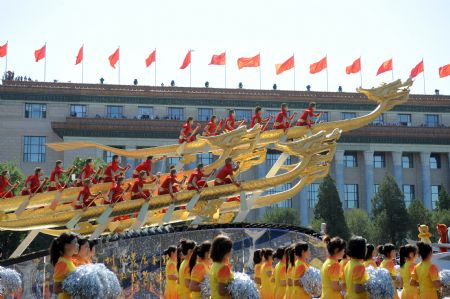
10	281
205	289
379	285
398	276
445	279
242	287
312	282
92	281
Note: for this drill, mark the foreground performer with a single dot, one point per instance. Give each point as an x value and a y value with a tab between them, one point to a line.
170	291
283	120
187	134
85	198
186	248
147	166
4	183
426	274
212	128
138	190
195	181
307	115
33	183
114	170
56	177
221	274
116	192
230	121
199	265
168	185
88	173
257	119
225	175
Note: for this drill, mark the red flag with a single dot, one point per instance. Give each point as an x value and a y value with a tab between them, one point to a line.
354	68
416	70
79	56
218	59
4	50
285	66
114	58
249	61
186	61
151	58
40	54
386	66
318	66
444	71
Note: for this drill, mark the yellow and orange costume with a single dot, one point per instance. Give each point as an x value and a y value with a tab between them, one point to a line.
409	291
299	270
63	267
425	273
171	284
330	272
355	273
280	278
183	273
198	274
267	285
389	265
220	273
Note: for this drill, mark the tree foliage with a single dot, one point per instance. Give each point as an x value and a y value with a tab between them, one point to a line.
443	203
418	214
358	223
281	216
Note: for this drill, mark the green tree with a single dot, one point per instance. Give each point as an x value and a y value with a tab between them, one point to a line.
418	214
443	200
390	216
358	223
329	209
80	162
281	216
438	216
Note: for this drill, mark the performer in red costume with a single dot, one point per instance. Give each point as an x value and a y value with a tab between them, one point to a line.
195	181
4	183
117	192
187	134
212	129
138	190
283	120
33	183
168	185
230	121
85	198
56	177
257	119
114	170
88	173
306	117
147	166
225	175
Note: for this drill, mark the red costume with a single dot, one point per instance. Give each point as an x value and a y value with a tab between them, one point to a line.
56	174
3	191
282	121
171	179
86	173
139	184
185	134
198	175
110	172
229	123
223	175
256	119
305	118
211	129
146	165
116	192
34	185
84	199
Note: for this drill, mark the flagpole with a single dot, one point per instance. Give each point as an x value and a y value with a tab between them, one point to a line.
45	61
294	70
360	71
225	69
82	66
326	57
423	74
392	71
6	60
190	68
155	67
260	70
119	66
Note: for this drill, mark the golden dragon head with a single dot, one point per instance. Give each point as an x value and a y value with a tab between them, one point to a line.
389	94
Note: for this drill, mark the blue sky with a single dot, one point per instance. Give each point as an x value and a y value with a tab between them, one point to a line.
343	30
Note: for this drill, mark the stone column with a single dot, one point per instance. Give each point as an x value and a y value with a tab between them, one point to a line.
304	207
339	167
426	179
368	178
397	168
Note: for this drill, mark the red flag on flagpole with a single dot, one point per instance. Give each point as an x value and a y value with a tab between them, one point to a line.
218	59
79	56
318	66
386	66
114	58
4	50
186	61
249	61
416	70
444	71
40	54
151	58
354	68
285	66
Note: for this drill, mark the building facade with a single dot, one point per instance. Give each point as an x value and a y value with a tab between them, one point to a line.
412	141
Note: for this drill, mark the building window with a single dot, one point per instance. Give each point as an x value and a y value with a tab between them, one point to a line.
407	160
205	159
351	159
348	115
404	119
272	113
272	157
376	188
285	203
313	195
408	194
431	120
435	189
35	110
323	116
379	160
243	113
145	112
34	149
379	120
114	111
204	114
175	113
351	196
78	110
435	161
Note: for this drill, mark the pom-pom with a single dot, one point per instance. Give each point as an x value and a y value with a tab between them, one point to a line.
445	279
312	282
379	285
10	281
242	287
398	276
205	289
92	281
